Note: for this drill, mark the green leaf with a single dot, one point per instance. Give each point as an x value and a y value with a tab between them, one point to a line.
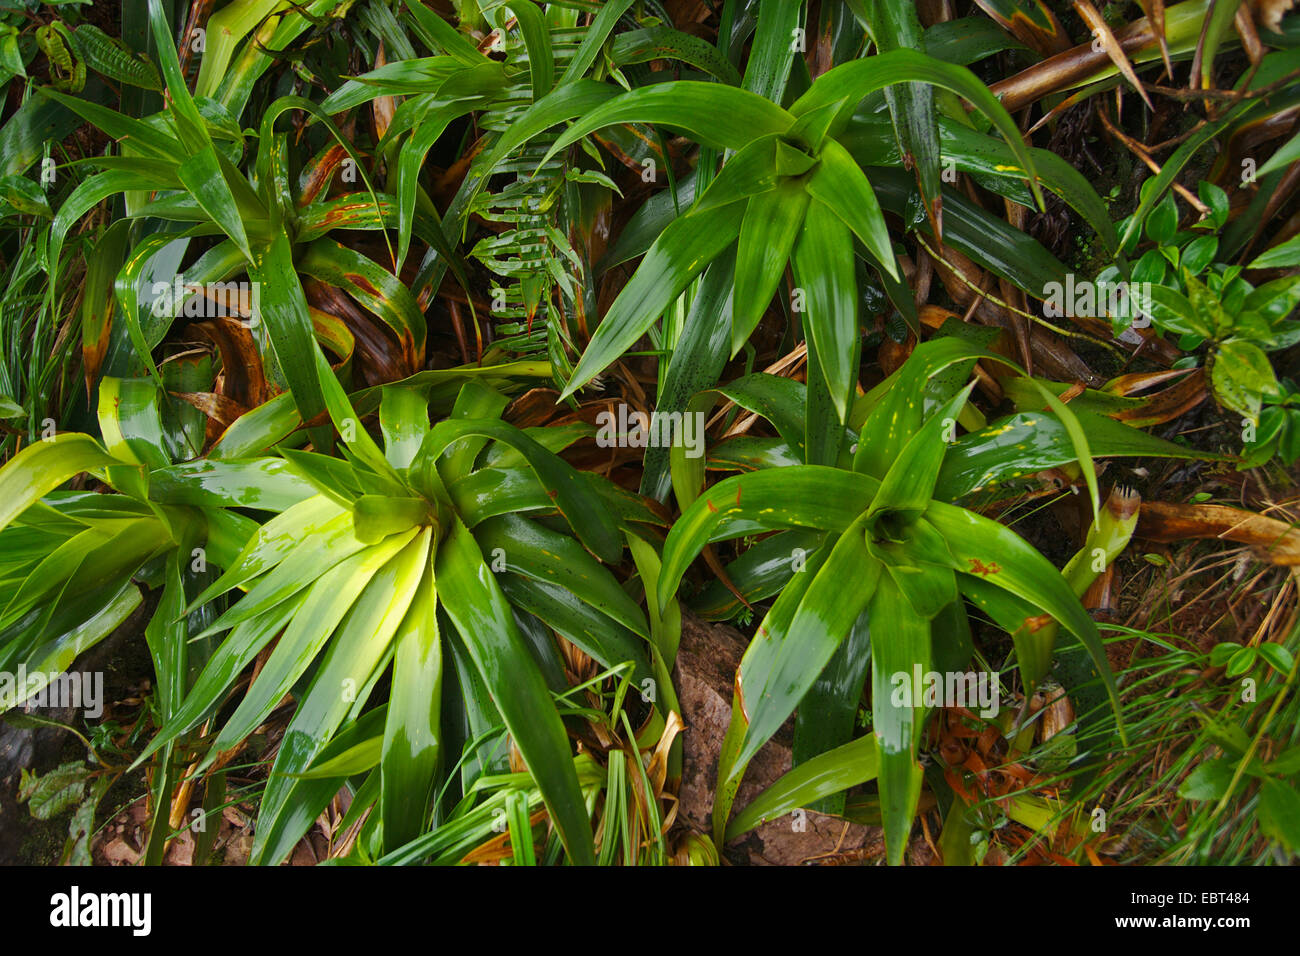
722	117
840	185
1242	375
127	130
48	795
222	670
288	323
1221	653
828	712
536	552
110	58
1163	221
204	176
1029	442
752	170
1079	439
1240	662
896	26
836	770
897	723
189	123
374	287
593	38
537	41
1282	256
823	265
677	257
665	43
762	571
987	239
901	412
586	513
1172	310
44	465
1220	16
375	517
330	598
804	496
909	484
412	739
850	82
696	362
778	399
986	549
1279	813
767	235
1278	657
362	645
767	70
780	666
130	421
760	655
481	614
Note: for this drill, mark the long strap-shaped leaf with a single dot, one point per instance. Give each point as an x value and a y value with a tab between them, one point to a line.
412	732
679	254
996	554
826	717
715	115
803	496
901	412
44	465
334	595
824	270
345	677
481	614
166	635
850	82
730	769
222	670
839	184
772	223
896	26
284	310
778	669
774	49
586	512
901	644
829	773
545	555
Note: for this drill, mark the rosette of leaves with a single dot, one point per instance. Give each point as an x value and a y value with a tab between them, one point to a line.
888	564
448	559
180	172
74	564
791	195
72	559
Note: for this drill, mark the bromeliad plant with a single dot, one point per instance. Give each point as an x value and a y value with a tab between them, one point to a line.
76	563
180	170
469	543
893	563
71	558
791	195
418	555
